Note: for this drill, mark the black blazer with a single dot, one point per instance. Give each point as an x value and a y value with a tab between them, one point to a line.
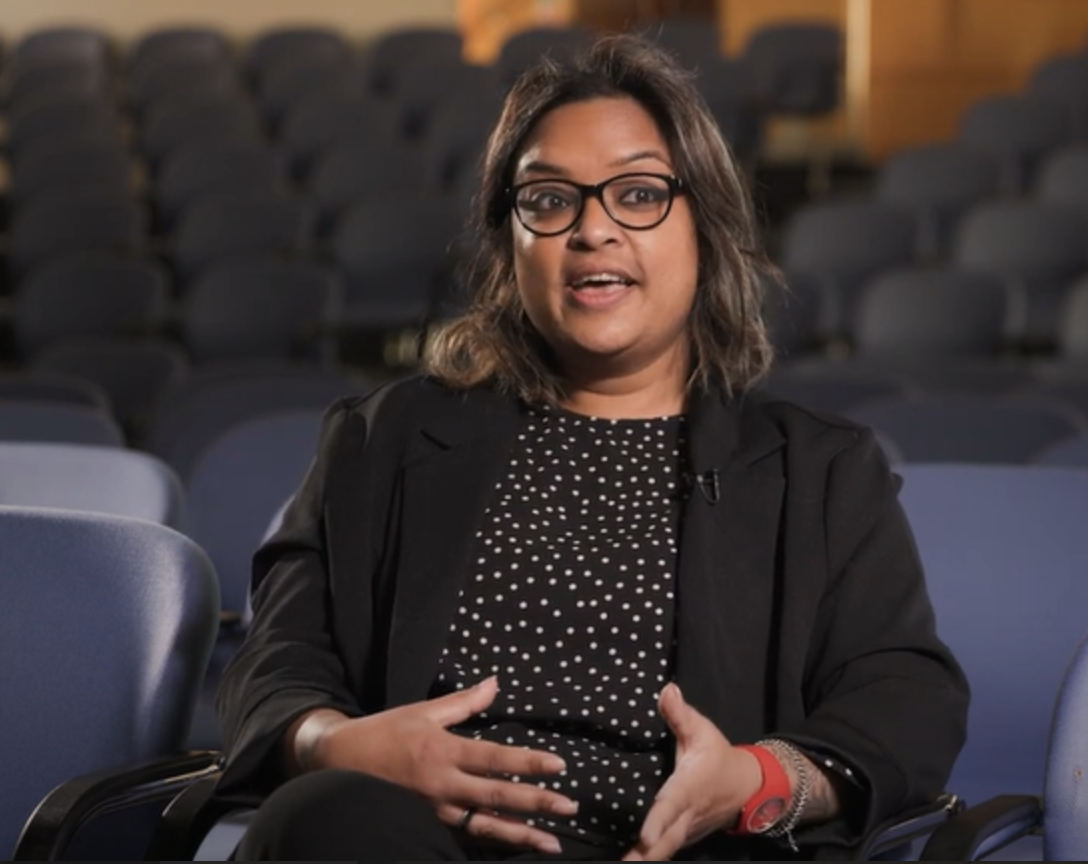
801	605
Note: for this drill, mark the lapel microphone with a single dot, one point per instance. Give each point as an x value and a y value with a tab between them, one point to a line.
708	484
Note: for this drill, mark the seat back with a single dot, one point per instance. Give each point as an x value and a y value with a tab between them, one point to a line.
969	428
197	410
107	625
85	477
40	420
1065	828
237	485
1006	560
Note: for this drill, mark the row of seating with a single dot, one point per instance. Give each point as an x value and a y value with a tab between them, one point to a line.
1003	548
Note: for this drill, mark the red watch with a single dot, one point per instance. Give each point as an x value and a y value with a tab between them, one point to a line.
769	804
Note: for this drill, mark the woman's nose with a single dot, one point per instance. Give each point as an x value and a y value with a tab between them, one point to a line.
594	226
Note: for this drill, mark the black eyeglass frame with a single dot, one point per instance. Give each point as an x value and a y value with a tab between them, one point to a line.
674	184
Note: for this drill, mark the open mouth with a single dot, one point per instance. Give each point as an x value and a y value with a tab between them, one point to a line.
601	282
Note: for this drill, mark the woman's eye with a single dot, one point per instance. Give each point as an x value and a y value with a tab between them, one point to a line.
546	200
635	196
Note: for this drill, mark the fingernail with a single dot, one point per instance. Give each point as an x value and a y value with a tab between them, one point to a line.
556	763
552	845
568	807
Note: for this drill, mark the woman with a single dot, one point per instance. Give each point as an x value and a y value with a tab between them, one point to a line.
545	600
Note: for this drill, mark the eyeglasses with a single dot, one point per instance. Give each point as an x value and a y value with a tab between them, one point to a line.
635	201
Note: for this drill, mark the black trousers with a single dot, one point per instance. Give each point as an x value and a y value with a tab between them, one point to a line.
347	816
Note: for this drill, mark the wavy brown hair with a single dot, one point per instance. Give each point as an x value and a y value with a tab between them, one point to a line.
493	340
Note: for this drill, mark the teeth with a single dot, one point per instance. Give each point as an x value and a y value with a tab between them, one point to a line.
600	279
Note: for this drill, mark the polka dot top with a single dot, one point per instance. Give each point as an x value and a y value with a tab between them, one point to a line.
570	603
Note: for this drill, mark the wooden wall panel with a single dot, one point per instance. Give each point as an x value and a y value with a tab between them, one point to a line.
930	59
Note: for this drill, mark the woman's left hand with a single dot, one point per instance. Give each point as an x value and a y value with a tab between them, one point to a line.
711	781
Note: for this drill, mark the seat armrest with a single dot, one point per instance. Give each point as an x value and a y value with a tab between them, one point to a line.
189	818
907	826
979	830
75	802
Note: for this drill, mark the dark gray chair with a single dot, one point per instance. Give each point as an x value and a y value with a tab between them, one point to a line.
62	422
1039	248
366	168
262	310
844	244
184	118
1073	328
524	47
696	41
218	229
424	87
1063	80
131	373
28	384
157	81
278	46
1063	177
921	314
76	296
199	168
727	87
969	428
195	411
796	67
832	387
298	80
314	126
1019	130
108	623
172	43
793	310
393	51
938	182
94	164
72	116
46	229
1072	452
65	42
397	257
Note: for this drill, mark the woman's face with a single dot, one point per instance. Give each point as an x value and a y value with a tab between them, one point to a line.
609	300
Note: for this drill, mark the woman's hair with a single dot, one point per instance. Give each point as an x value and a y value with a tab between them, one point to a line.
494	341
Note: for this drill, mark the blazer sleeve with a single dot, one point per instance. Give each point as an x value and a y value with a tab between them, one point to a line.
883	692
288	663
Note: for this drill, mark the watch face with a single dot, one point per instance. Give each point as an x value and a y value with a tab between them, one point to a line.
764	817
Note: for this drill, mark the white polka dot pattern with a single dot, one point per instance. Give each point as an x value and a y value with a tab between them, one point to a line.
571	604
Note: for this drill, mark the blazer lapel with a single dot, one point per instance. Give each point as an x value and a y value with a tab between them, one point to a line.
448	478
727	572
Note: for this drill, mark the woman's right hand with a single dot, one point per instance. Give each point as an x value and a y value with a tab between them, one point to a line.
413	747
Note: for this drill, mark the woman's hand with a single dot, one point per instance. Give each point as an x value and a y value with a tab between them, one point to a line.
711	781
413	747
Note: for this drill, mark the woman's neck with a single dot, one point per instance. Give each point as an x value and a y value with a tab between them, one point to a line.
628	397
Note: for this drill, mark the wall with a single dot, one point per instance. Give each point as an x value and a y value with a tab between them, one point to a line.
241	18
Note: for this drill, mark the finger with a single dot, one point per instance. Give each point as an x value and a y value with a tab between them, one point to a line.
666	844
489	758
665	811
496	827
683	720
509	796
454	708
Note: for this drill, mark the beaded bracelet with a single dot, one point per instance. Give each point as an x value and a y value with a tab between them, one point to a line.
786	753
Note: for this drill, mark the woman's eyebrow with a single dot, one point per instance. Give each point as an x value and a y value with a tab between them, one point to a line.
539	167
638	156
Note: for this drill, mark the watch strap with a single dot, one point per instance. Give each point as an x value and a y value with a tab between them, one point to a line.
775	785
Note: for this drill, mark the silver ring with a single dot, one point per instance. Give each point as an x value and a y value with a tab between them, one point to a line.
466	817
